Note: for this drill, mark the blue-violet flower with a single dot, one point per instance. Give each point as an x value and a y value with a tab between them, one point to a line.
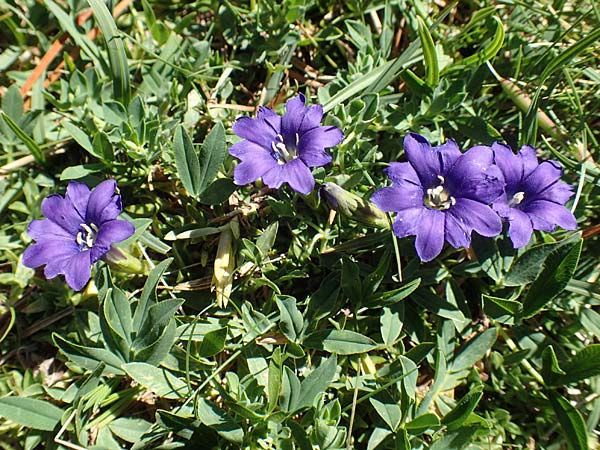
78	231
283	149
442	194
534	197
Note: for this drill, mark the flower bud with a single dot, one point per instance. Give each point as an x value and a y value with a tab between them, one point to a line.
224	266
353	206
120	260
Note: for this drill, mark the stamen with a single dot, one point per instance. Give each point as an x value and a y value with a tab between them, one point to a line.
281	152
89	238
517	198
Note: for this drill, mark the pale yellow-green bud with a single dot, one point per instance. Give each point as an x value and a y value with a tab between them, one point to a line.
121	261
353	206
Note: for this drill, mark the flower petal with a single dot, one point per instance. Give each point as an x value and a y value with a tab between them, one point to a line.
104	204
46	229
312	118
430	234
292	119
474	176
270	118
78	194
315	158
246	150
520	228
110	232
298	176
529	159
559	193
259	131
62	212
449	153
407	221
423	159
398	198
476	216
402	172
77	270
541	178
510	164
253	168
319	138
545	214
48	250
457	233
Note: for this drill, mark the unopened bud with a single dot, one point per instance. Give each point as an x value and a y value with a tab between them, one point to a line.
353	206
120	260
224	267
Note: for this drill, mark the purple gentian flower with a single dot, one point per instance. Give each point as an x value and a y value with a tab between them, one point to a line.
534	197
78	231
282	149
442	194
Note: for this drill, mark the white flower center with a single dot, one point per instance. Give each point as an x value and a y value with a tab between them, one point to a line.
282	152
87	237
438	197
517	198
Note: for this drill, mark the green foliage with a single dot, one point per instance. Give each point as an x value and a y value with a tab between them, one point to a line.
335	335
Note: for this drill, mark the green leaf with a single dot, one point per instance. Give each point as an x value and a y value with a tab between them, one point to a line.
391	324
129	429
392	297
116	51
292	322
487	52
585	364
80	137
148	296
474	350
186	160
220	421
213	342
570	420
388	410
432	70
267	238
218	191
422	423
116	314
550	367
30	412
455	440
290	390
558	270
316	383
160	381
529	265
510	306
89	357
80	171
564	57
342	342
33	147
463	409
212	155
12	103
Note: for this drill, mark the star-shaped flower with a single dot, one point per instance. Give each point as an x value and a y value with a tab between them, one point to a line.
534	197
283	149
442	194
78	231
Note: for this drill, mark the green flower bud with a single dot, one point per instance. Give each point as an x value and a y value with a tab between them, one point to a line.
353	206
